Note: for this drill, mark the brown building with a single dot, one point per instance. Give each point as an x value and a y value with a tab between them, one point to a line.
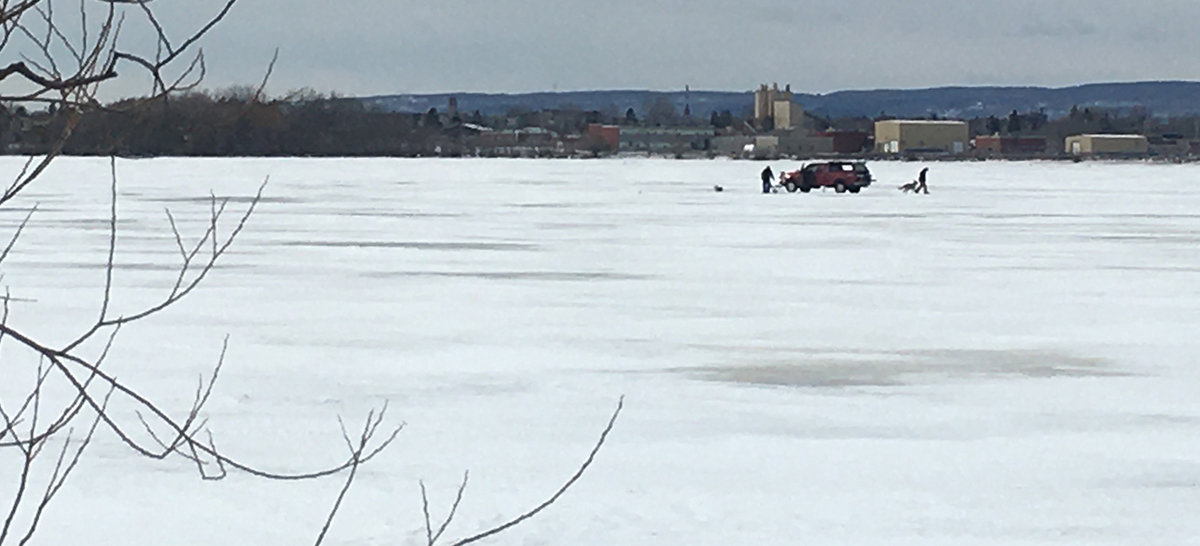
996	145
848	142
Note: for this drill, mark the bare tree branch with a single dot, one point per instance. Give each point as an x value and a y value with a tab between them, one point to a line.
432	538
60	475
64	69
458	497
20	68
17	234
357	449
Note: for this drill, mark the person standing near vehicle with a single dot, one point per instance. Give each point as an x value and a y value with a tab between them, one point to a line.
767	177
921	187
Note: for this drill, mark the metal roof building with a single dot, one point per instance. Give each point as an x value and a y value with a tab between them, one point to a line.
901	135
1107	145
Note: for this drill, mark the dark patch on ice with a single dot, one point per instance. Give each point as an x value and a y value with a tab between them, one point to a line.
890	215
516	275
836	369
544	205
570	225
1085	268
1163	268
1165	475
1182	483
385	214
90	223
144	266
541	182
1166	419
414	245
359	183
866	282
1146	238
808	376
21	212
1089	215
231	198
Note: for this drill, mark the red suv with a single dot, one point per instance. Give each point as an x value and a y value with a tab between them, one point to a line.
840	175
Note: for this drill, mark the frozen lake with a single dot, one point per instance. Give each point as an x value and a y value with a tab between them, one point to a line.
1012	359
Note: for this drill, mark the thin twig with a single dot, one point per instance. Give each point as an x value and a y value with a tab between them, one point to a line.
458	497
356	451
570	482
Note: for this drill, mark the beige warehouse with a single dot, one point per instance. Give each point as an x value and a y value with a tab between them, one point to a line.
899	135
1107	145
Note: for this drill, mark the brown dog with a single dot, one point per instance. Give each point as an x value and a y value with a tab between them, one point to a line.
911	186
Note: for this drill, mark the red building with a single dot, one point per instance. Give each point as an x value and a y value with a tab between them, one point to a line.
604	136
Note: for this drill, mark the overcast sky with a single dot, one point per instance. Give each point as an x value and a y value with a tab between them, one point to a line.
370	47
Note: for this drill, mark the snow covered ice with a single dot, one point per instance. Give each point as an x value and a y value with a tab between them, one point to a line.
1011	359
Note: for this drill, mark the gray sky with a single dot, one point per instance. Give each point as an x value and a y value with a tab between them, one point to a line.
366	47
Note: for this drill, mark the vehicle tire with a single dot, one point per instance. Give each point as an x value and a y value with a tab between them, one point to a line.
854	189
790	186
805	189
839	186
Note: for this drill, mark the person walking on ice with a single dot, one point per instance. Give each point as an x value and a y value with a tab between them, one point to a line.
767	178
921	187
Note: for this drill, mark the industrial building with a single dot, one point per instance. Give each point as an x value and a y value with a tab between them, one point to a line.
896	136
794	144
1107	145
996	145
665	139
747	146
848	142
776	105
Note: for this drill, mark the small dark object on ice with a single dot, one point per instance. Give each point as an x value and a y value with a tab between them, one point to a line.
718	188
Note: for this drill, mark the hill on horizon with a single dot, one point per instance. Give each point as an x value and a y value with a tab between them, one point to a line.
1161	98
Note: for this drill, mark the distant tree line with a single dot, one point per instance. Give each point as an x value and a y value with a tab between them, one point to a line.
239	122
231	123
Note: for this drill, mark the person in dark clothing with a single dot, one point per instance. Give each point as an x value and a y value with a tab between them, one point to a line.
921	187
767	177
